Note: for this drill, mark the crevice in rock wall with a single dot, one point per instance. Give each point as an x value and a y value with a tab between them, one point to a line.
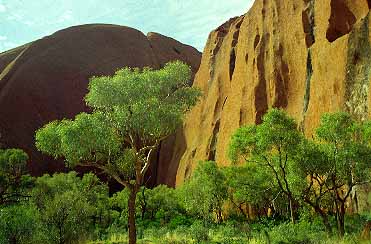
261	101
241	118
308	79
256	41
214	141
282	78
308	17
358	71
369	4
341	20
217	107
232	63
232	56
307	82
225	100
308	22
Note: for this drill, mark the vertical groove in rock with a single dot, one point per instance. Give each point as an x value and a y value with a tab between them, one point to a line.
308	19
232	63
261	101
307	82
308	22
214	141
232	56
358	71
281	80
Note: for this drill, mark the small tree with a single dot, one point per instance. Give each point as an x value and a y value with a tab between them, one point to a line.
14	180
205	192
19	224
133	111
249	185
346	144
311	168
160	201
271	146
71	206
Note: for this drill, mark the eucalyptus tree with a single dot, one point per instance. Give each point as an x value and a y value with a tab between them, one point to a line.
346	144
205	192
133	111
272	147
311	168
248	184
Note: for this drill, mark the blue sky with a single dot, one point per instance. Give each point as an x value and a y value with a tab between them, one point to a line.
188	21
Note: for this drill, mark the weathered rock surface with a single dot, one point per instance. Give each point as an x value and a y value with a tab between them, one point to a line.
47	79
305	56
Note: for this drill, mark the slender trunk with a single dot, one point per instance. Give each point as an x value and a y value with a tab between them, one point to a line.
219	216
324	219
61	239
321	213
13	240
243	212
144	207
131	219
292	210
341	214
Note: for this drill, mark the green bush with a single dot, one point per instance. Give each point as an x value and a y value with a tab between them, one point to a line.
354	223
180	220
302	232
20	224
199	232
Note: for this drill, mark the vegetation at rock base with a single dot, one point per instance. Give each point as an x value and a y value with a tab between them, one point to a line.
282	186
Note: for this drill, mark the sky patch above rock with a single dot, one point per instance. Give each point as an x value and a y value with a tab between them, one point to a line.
188	21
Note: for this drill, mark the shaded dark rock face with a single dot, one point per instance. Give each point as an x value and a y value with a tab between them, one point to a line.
47	79
341	20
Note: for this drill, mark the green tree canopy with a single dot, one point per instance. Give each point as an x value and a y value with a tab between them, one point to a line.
133	111
205	192
272	146
346	144
249	184
14	179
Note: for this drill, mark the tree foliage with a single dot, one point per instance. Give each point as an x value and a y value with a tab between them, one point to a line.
271	146
132	112
14	179
71	205
205	192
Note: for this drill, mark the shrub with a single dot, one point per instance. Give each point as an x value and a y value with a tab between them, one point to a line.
302	232
199	232
179	220
20	224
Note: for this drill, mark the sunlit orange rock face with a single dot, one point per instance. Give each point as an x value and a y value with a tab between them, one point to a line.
47	79
304	56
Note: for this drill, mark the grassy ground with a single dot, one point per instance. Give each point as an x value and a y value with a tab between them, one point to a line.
302	233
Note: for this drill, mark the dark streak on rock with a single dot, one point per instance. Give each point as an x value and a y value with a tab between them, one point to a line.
261	101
